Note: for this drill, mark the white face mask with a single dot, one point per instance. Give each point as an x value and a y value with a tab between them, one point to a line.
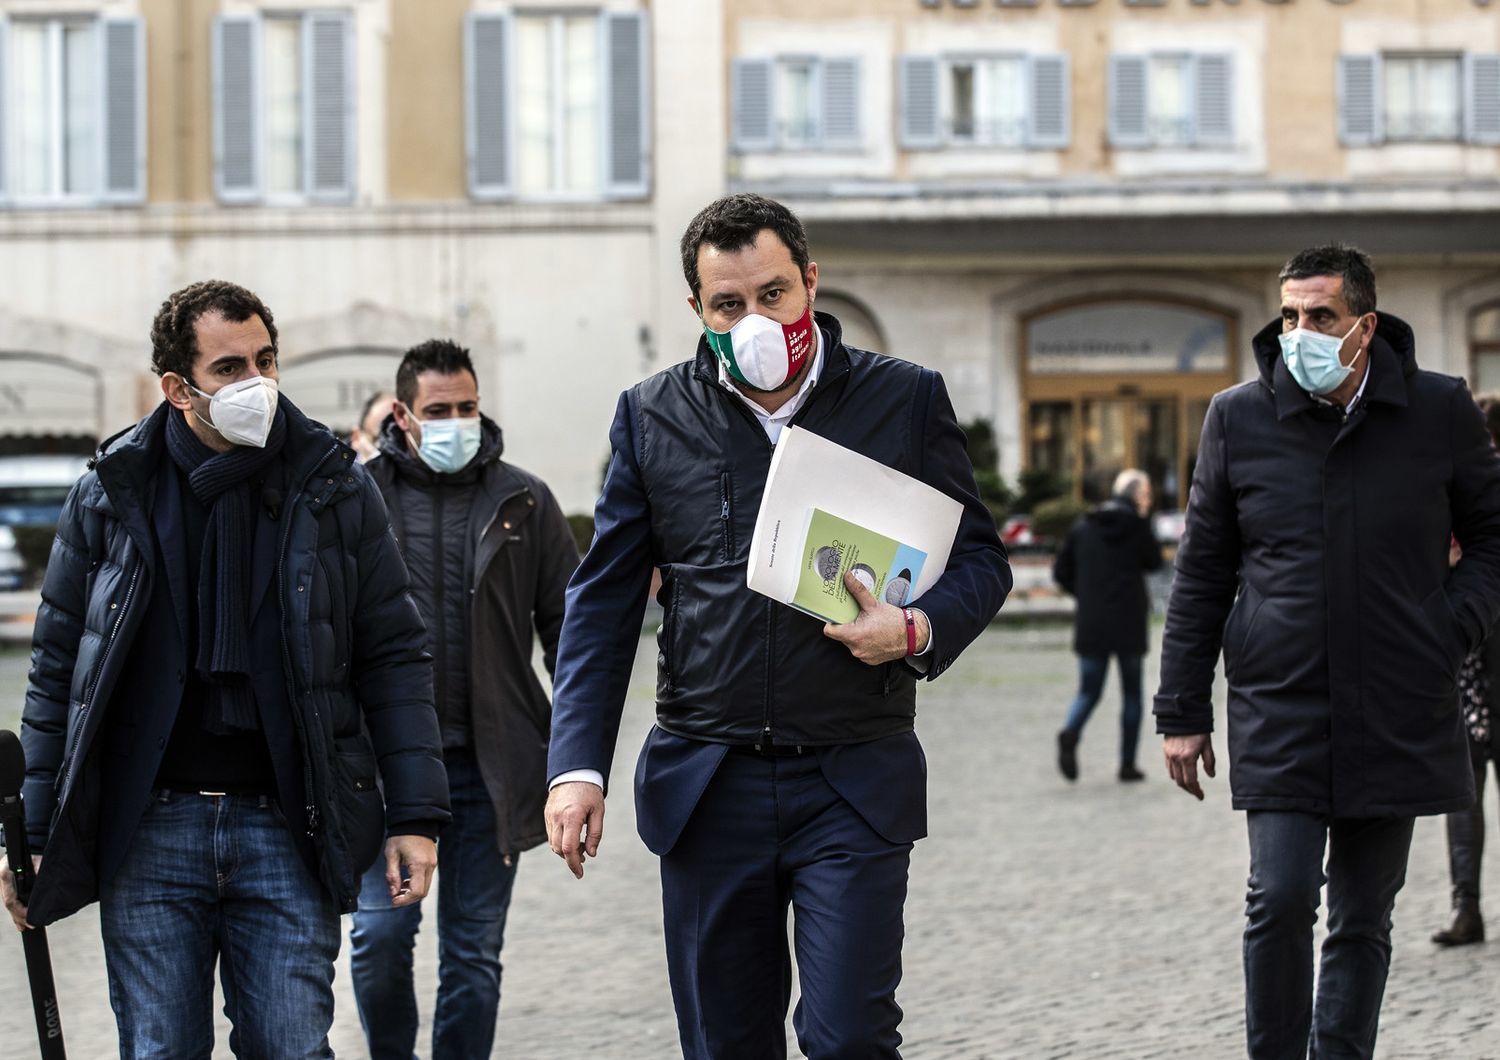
241	413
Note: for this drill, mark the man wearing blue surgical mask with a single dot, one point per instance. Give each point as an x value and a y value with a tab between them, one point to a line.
490	554
1316	558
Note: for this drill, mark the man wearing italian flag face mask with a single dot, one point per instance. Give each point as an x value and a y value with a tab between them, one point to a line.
772	727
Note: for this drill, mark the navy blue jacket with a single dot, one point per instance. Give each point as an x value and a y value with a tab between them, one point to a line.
347	638
687	468
1316	557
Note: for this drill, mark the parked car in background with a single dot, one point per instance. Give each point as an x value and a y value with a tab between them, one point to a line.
12	569
33	488
1168	527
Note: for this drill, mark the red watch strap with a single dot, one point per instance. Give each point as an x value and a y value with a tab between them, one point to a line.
911	631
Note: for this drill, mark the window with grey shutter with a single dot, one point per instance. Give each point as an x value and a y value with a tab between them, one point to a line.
625	84
1129	103
920	122
1359	100
1213	100
329	107
1050	122
487	71
841	124
237	107
754	115
1482	98
123	50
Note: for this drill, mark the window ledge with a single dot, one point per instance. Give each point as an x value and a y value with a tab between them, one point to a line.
386	219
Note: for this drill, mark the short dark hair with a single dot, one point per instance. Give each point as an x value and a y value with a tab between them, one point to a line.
1348	263
1489	404
732	223
443	356
174	344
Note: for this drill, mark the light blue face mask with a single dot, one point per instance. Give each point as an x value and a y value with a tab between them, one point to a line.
448	445
1313	359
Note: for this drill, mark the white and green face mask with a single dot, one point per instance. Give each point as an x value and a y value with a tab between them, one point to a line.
761	353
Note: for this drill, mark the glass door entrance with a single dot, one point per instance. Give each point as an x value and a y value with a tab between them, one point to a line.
1089	439
1122	383
1121	432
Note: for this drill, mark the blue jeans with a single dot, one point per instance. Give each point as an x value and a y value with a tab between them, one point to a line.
1366	868
218	877
474	883
1091	671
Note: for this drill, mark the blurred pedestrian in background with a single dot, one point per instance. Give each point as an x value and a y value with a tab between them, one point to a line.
365	437
1102	564
490	554
1478	685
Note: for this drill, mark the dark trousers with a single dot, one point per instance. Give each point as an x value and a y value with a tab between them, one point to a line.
1366	868
1466	829
1091	672
769	833
474	882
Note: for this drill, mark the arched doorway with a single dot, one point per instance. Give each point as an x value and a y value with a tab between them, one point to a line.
1484	348
859	325
1122	381
48	404
331	386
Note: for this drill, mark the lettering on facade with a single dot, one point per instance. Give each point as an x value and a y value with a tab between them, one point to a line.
12	398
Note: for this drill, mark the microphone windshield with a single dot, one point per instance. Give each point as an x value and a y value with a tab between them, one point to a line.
12	764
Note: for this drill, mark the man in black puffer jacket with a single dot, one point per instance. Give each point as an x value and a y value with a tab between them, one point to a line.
1316	557
225	662
490	554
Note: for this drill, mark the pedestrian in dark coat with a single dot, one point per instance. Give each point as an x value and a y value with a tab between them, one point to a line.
1479	688
490	554
1102	564
1316	557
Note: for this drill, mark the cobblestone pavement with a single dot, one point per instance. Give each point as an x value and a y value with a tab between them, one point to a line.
1092	920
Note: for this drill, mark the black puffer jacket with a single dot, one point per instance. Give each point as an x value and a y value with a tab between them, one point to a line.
1102	564
513	564
357	677
1316	554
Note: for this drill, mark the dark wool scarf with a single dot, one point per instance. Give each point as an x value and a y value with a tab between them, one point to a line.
221	483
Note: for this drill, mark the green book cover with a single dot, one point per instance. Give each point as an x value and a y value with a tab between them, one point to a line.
834	547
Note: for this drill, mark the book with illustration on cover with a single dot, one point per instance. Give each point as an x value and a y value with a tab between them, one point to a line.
878	514
835	547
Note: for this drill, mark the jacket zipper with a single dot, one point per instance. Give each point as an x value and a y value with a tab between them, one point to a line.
766	715
439	599
726	516
311	809
88	699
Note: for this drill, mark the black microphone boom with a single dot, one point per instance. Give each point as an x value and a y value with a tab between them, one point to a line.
18	856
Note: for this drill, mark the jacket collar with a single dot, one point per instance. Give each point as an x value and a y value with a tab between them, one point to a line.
1393	360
